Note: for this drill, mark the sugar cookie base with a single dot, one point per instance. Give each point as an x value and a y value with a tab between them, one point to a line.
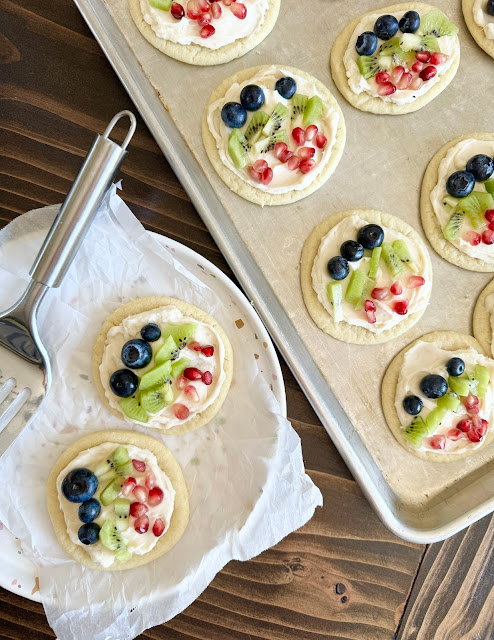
482	319
477	32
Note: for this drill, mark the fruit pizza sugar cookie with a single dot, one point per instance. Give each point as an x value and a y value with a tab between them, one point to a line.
117	500
438	397
483	319
163	363
204	32
457	202
397	59
479	16
366	276
273	134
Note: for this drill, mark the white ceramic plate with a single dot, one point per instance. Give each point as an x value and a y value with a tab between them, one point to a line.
17	573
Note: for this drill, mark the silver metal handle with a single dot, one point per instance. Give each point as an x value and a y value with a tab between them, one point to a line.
80	206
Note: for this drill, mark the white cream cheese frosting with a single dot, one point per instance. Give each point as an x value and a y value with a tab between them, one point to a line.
130	329
228	28
284	179
386	318
426	358
456	160
483	19
449	45
138	543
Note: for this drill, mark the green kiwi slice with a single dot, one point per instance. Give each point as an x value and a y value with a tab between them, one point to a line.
450	401
255	126
483	376
155	377
124	470
112	539
370	66
181	333
461	386
313	110
335	296
437	24
414	42
168	350
298	103
122	512
401	250
374	262
355	287
119	457
266	144
237	148
157	398
164	5
276	119
416	431
179	367
394	265
452	228
369	285
111	491
133	410
489	186
475	205
434	419
449	203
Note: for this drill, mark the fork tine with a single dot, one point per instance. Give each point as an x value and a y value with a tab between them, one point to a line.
14	407
6	388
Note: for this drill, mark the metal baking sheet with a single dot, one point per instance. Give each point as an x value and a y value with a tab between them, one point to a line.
382	168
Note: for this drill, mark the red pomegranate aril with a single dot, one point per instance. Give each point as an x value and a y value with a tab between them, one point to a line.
472	237
488	236
255	175
386	89
382	77
307	165
140	493
397	74
370	310
417	67
438	58
195	346
437	442
177	10
428	73
150	480
155	496
207	378
204	6
181	382
380	293
193	9
455	434
464	425
207	350
267	175
320	141
138	509
401	307
279	148
227	3
180	411
483	427
286	155
298	134
369	306
158	527
405	81
207	31
128	486
141	525
491	226
306	153
489	215
216	10
204	19
191	392
474	435
310	132
416	83
191	373
260	165
396	289
423	56
139	465
239	10
471	403
415	281
293	163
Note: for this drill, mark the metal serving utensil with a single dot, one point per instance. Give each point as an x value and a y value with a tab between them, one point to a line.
25	371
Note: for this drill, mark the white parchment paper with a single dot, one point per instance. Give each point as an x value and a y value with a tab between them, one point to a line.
245	472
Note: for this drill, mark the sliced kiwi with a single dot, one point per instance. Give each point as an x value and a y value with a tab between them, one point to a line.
179	367
416	431
155	399
276	119
458	385
164	5
266	144
483	376
414	42
475	205
450	401
313	110
390	47
335	296
436	23
123	555
111	491
119	457
434	419
155	377
122	512
237	148
370	66
401	250
394	265
169	349
489	186
404	58
355	286
181	333
452	228
449	203
298	103
133	410
112	539
374	262
369	285
124	470
255	126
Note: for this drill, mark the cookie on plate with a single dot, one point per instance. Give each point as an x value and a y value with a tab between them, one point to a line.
479	17
457	202
163	363
438	397
201	32
274	134
117	500
366	276
397	59
483	319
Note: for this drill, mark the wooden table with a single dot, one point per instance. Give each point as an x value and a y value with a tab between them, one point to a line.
344	575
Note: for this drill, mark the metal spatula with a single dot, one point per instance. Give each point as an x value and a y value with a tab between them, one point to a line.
25	372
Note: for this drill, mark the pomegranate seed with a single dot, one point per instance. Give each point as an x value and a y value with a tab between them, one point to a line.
140	493
193	9
255	175
279	148
489	215
417	67
423	56
472	237
401	307
474	435
471	403
396	289
139	465
370	310
128	486
437	442
438	58
405	82
382	77
455	434
208	350
150	480
207	378
386	89
138	509
216	10
159	525
141	525
239	10
310	132
428	73
180	411
320	141
207	31
397	74
416	83
306	153
155	496
267	175
491	226
181	382
476	422
191	373
260	165
307	165
227	3
483	427
204	5
298	134
380	293
191	392
195	346
177	10
488	237
204	19
286	155
415	281
464	425
293	163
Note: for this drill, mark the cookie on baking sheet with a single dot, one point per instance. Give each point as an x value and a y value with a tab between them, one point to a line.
483	318
438	397
204	33
163	363
97	517
457	202
274	134
397	59
366	276
479	17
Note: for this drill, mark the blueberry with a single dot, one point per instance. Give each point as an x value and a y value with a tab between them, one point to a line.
338	268
136	354
234	115
89	533
89	510
366	43
490	7
371	236
79	485
286	87
352	251
460	184
481	166
151	332
455	367
410	23
413	405
252	97
434	386
124	383
386	26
